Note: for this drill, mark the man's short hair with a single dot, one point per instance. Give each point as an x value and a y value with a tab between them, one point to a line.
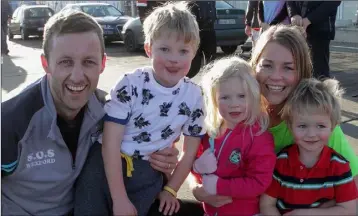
172	17
68	23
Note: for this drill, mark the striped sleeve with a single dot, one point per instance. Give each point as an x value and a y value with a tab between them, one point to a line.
344	186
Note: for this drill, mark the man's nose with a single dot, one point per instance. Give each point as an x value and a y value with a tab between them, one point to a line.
77	73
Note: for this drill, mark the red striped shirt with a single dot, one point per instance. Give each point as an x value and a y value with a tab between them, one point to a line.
297	187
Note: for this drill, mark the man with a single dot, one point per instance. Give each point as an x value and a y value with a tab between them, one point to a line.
205	12
57	118
318	20
6	12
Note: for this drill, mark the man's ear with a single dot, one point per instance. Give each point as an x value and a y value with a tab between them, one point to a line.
148	50
104	59
44	63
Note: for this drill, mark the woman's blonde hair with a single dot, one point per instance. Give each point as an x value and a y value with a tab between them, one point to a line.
222	70
290	37
314	95
172	17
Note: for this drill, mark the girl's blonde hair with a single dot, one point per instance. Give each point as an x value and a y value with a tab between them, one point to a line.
290	37
222	70
312	95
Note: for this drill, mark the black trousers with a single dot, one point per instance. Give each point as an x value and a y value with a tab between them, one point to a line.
4	47
320	57
92	195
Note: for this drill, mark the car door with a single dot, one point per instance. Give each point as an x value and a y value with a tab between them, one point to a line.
14	18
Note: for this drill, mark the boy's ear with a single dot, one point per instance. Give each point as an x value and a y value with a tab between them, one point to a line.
148	50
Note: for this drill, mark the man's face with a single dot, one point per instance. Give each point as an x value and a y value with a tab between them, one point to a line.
73	68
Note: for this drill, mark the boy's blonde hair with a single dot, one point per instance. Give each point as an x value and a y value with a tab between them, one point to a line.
290	37
222	70
312	95
172	17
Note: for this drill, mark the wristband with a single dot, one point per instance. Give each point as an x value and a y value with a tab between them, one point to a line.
171	191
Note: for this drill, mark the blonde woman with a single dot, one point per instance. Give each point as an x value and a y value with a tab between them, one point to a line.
237	154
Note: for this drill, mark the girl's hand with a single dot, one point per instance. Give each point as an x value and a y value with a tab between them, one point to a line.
206	163
168	202
124	206
209	183
214	200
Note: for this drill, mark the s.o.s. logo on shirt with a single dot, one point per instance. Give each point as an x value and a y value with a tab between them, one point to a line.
40	158
235	156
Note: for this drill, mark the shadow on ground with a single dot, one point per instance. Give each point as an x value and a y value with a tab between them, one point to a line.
16	75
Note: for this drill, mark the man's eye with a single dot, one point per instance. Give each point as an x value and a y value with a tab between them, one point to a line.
66	62
90	62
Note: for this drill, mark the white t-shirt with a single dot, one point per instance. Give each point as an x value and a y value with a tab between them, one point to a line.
154	115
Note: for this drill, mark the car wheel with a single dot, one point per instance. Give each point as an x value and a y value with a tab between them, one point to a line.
11	36
130	42
228	49
24	34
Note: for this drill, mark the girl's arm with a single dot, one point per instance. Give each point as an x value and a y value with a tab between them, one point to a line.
261	161
185	164
111	151
268	205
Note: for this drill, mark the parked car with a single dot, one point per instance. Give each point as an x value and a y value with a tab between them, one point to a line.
229	28
29	20
109	17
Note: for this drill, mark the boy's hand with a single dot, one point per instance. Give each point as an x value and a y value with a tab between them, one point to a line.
124	206
168	202
209	183
206	163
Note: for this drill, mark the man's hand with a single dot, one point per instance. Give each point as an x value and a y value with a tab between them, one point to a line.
214	200
296	20
164	160
209	183
248	30
206	163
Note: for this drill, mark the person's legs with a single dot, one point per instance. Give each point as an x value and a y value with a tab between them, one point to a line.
4	47
92	196
187	207
320	58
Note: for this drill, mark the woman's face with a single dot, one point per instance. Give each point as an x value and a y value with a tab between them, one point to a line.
276	73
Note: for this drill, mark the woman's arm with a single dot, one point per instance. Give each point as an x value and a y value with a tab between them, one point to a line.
268	205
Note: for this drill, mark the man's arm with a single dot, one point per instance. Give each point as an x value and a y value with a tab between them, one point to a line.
322	12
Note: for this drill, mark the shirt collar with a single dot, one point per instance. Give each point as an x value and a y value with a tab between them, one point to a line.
323	161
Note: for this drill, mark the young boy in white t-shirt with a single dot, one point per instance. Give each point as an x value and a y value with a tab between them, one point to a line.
149	109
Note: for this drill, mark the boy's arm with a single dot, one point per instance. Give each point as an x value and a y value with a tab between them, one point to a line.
185	164
346	208
268	205
111	151
261	163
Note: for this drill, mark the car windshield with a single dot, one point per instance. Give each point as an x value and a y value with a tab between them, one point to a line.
223	5
38	12
101	10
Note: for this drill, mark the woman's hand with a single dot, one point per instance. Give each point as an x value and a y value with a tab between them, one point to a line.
164	160
214	200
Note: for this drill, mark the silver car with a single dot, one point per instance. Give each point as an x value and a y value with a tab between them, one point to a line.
229	29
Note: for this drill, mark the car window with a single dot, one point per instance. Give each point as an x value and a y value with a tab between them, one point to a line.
101	10
223	5
38	12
